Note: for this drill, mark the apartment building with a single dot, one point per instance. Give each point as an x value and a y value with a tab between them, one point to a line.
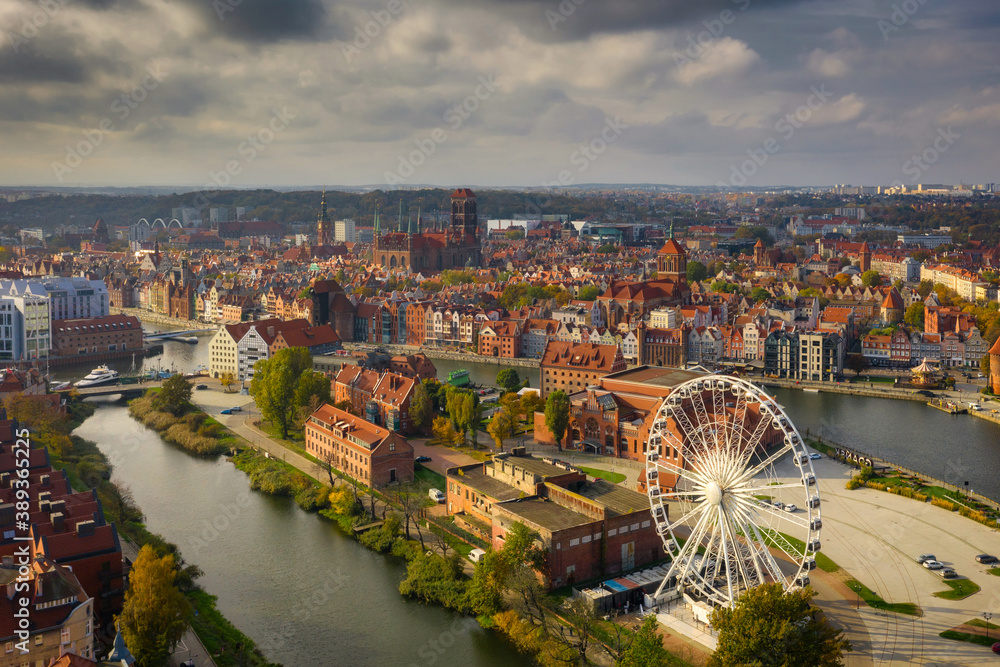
571	367
371	454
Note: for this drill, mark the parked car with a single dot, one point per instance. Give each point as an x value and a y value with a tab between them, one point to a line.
422	459
236	409
947	573
925	557
436	495
933	564
791	508
476	555
996	647
202	386
780	505
227	411
815	457
986	559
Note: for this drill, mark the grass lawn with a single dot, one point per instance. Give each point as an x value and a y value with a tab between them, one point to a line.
967	637
980	623
823	561
455	543
960	589
995	571
872	599
428	478
613	477
822	447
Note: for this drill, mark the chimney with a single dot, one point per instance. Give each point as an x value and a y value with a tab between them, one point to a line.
85	528
6	514
58	521
4	480
58	506
45	481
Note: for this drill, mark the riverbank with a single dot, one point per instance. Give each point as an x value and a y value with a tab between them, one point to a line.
157	318
845	388
434	353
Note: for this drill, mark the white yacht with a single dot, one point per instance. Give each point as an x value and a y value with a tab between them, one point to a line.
99	377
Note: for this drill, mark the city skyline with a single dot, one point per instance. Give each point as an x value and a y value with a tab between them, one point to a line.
741	93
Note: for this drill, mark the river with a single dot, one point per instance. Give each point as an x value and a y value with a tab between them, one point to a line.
306	593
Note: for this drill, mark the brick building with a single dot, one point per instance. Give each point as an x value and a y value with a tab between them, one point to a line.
382	397
501	339
121	334
574	366
371	454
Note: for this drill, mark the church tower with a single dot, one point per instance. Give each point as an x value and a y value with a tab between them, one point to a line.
323	225
671	261
866	257
464	218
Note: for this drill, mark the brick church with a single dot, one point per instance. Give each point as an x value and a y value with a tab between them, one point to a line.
434	250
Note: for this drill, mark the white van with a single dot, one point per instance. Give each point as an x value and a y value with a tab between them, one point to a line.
476	555
436	495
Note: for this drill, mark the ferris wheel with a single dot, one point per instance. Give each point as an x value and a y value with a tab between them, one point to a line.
732	490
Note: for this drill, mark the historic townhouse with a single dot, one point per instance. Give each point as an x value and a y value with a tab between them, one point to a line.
371	454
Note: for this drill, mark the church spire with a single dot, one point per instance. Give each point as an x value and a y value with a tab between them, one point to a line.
671	229
376	218
400	220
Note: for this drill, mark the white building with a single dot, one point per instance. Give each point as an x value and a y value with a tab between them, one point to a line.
68	298
344	231
663	318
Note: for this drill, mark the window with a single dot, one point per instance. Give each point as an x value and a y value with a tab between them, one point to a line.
38	640
64	636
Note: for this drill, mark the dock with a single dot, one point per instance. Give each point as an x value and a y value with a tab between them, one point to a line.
950	408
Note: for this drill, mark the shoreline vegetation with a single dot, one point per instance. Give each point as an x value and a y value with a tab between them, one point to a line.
89	468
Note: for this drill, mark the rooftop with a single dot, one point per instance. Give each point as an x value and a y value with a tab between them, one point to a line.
545	513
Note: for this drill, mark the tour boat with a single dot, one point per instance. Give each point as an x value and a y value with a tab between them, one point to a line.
459	378
810	390
99	377
59	386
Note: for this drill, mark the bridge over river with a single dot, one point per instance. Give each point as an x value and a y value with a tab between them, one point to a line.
126	390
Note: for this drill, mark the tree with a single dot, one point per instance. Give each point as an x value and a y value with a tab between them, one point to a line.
531	403
755	232
502	426
588	293
914	315
646	648
445	433
696	271
155	614
174	395
871	278
421	407
758	294
767	626
925	288
227	380
284	383
557	415
508	379
984	365
856	363
345	405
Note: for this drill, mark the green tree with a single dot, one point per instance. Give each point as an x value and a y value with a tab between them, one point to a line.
925	288
531	403
871	278
856	363
174	395
508	379
501	426
755	232
155	614
984	365
767	626
646	648
275	385
557	415
312	388
588	293
421	407
696	271
758	294
914	315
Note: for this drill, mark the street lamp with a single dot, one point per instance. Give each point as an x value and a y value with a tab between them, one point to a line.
987	616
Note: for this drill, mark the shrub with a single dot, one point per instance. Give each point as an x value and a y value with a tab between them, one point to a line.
946	504
381	539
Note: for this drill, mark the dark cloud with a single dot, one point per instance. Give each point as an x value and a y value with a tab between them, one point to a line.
264	20
568	19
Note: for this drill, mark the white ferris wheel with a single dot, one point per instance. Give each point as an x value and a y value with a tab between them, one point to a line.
731	489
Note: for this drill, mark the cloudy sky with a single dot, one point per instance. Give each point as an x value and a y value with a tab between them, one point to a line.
499	92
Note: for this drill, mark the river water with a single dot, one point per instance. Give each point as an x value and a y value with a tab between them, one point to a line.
306	593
